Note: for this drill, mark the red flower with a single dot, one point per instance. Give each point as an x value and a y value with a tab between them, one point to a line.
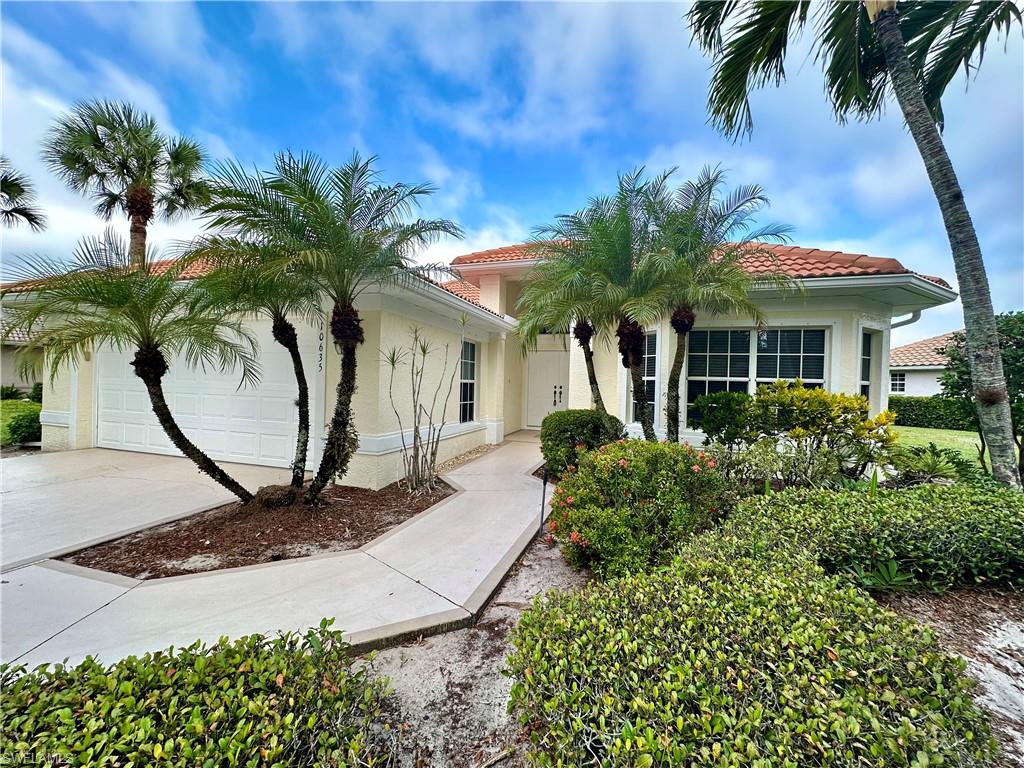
712	464
695	467
568	499
553	525
623	463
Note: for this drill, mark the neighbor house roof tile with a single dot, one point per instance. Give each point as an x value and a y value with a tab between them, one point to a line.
920	353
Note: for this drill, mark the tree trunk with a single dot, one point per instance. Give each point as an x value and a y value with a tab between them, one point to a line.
987	376
583	331
284	334
674	375
139	206
636	372
631	348
137	241
346	329
150	366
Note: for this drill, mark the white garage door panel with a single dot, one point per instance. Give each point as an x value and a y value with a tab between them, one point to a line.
255	424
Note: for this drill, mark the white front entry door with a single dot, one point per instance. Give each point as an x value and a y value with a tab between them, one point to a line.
251	425
547	384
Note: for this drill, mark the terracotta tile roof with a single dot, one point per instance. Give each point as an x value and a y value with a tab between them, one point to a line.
796	262
463	290
921	352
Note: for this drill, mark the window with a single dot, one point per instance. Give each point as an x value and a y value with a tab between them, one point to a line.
865	364
717	361
650	369
791	354
897	381
467	383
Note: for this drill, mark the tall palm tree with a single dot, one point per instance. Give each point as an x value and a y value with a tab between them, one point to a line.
243	277
344	232
106	297
704	238
18	198
867	49
117	155
605	252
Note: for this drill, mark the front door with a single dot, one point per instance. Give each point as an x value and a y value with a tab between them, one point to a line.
547	384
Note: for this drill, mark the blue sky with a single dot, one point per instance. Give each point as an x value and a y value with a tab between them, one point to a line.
516	112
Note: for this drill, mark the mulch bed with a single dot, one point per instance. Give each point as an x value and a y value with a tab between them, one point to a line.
263	531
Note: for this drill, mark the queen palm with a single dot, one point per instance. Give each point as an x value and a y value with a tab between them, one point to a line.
18	199
106	297
243	277
343	232
867	49
705	237
117	155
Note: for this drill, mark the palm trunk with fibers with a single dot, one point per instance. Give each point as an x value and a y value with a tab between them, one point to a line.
682	322
583	332
987	376
631	348
284	334
140	213
347	331
150	366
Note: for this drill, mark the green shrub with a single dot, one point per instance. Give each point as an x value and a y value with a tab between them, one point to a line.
737	662
629	504
773	463
36	395
563	432
915	464
23	416
10	392
935	412
291	700
724	415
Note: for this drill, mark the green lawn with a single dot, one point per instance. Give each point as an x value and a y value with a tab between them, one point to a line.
7	410
965	442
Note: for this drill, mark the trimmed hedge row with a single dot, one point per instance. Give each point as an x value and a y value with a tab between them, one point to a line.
935	412
746	651
291	700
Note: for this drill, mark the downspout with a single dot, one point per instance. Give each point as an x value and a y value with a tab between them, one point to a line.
914	317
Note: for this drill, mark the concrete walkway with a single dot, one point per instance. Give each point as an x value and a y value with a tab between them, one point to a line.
435	571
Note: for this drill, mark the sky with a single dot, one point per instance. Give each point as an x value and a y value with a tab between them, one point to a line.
517	113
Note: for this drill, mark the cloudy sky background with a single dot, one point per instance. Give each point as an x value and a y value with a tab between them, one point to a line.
516	113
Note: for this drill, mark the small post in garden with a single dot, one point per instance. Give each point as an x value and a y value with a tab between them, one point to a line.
543	499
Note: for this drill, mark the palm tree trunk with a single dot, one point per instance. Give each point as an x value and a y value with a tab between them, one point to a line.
631	347
342	439
636	372
986	362
137	240
150	366
674	375
595	390
284	334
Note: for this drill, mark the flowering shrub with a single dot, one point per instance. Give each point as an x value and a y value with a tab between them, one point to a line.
629	503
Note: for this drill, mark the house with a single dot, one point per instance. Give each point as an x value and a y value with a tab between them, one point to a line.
835	335
10	376
914	368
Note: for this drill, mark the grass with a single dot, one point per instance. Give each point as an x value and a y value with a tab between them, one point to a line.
965	442
8	408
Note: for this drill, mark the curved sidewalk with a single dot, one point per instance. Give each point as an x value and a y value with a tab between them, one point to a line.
434	572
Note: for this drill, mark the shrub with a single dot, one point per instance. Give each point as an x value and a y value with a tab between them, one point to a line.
19	421
773	463
935	412
36	395
629	504
724	415
563	432
291	700
719	662
10	392
915	464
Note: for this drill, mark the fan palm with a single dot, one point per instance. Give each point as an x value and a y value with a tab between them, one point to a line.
17	199
105	297
913	49
117	155
343	232
243	278
705	237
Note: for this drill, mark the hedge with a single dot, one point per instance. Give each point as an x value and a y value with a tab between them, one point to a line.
934	412
287	701
23	417
563	433
756	648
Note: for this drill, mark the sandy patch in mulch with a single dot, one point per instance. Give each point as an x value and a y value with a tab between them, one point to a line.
11	452
464	458
986	628
449	689
262	531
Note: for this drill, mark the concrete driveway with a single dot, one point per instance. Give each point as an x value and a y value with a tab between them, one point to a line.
55	503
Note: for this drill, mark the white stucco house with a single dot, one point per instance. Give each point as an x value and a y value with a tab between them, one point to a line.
914	368
835	335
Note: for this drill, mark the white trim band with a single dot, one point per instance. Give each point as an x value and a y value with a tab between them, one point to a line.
55	419
391	442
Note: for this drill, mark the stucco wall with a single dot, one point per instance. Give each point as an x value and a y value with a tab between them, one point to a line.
921	383
9	375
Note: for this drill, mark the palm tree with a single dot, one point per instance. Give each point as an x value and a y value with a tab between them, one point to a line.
117	155
343	232
105	297
243	278
705	237
605	252
915	49
17	199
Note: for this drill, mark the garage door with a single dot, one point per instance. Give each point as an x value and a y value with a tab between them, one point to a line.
252	425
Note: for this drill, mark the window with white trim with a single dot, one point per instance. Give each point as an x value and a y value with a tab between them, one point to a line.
897	381
716	361
866	347
467	382
650	371
791	353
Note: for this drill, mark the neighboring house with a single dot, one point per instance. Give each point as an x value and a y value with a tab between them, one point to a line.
835	335
9	374
914	368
